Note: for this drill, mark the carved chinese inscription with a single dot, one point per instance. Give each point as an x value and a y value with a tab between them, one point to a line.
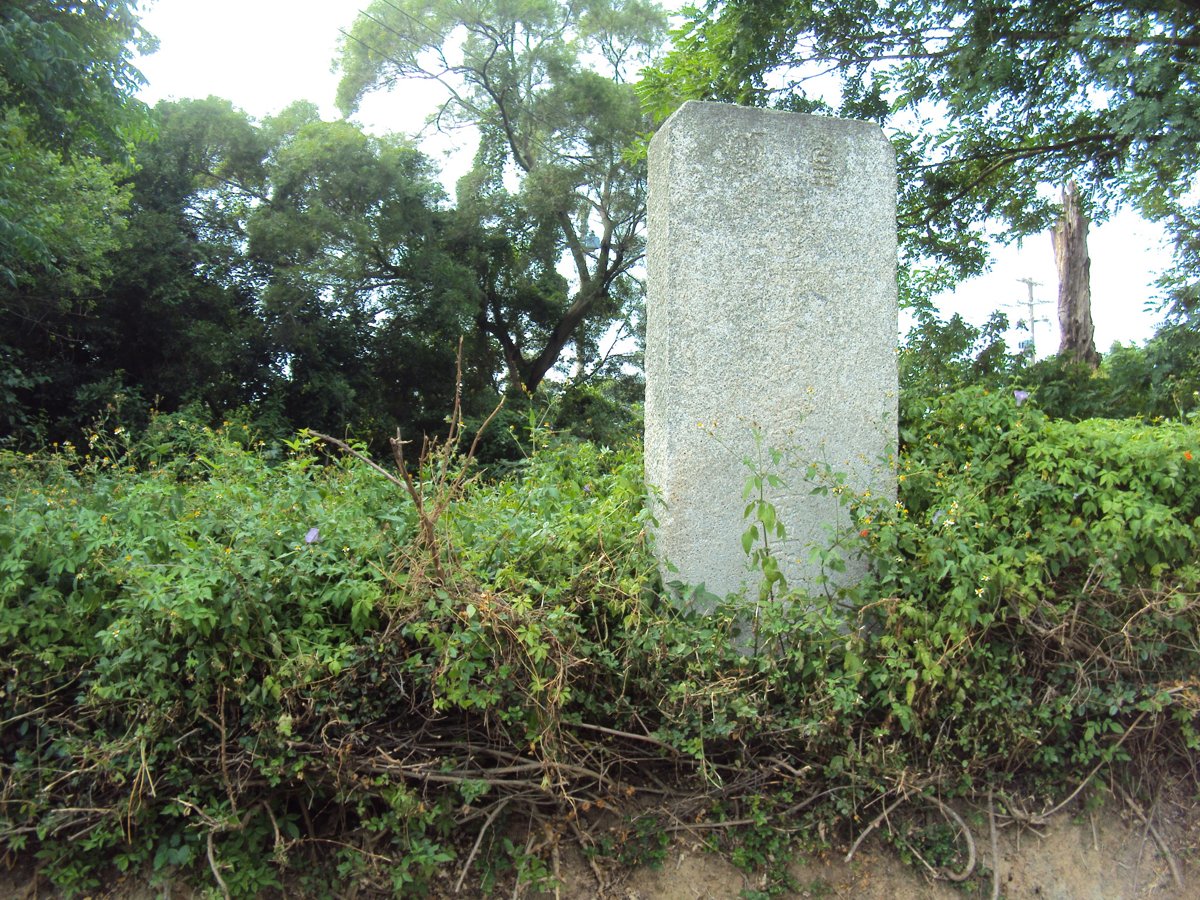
823	172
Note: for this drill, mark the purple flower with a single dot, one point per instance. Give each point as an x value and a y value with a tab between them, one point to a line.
1020	396
314	535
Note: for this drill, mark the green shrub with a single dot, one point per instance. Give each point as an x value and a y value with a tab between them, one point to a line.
149	615
222	652
1035	584
261	669
1158	380
941	356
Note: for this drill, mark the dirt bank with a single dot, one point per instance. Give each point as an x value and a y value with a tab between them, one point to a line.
1105	852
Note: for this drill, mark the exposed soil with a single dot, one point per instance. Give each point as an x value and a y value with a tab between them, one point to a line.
1069	861
1107	853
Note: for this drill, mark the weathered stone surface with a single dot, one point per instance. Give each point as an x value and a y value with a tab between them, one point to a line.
771	307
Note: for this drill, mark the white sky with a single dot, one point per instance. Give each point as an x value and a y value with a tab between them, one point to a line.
261	54
264	54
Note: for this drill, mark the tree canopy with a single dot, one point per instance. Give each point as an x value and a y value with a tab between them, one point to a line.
67	86
546	85
987	101
68	69
295	265
302	269
308	273
68	118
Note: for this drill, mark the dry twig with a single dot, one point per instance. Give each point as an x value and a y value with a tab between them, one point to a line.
995	846
478	841
875	823
1159	841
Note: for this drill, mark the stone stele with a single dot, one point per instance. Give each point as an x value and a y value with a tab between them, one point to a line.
771	311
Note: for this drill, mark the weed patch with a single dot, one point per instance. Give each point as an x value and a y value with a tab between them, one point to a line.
256	671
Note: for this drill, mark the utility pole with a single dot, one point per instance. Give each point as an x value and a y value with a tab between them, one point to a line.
1031	306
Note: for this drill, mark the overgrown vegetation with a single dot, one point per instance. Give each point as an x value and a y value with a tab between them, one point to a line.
251	671
1157	381
264	666
304	269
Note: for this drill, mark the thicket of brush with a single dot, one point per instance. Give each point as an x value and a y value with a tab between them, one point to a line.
250	669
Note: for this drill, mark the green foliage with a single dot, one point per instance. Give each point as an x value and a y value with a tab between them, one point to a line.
607	412
66	111
984	103
939	357
302	268
61	217
68	66
546	85
156	322
164	593
60	221
1015	539
1159	380
67	121
229	629
296	266
217	662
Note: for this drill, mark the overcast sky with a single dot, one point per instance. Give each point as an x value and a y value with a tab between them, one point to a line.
264	54
261	54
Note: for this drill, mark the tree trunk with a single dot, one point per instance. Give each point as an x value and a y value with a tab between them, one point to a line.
1074	282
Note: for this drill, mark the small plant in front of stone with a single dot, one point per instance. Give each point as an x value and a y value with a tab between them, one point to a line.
774	473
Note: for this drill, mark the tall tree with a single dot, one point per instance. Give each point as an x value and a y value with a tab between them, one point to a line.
1069	237
60	220
174	322
299	266
325	250
67	85
67	119
545	84
367	293
985	100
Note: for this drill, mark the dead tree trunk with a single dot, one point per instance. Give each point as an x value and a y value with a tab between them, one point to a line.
1074	282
